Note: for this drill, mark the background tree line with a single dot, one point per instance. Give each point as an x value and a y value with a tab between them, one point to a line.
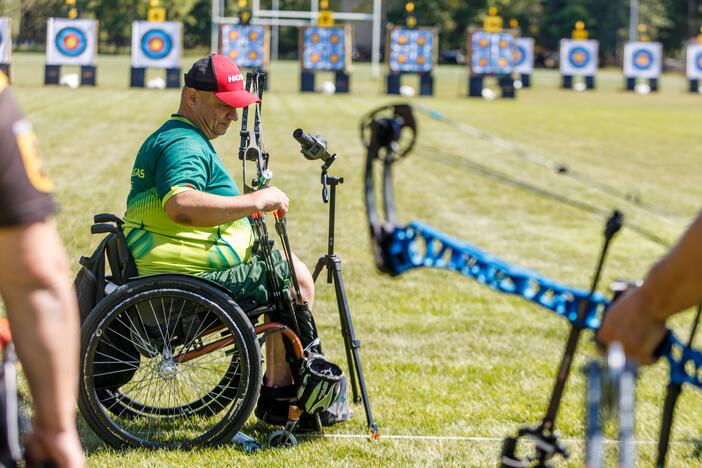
669	21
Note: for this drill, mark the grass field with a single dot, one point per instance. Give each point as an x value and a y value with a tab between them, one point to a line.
443	355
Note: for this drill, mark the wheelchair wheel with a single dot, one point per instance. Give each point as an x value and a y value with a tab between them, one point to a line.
168	361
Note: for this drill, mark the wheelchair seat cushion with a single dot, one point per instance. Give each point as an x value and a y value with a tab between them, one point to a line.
249	281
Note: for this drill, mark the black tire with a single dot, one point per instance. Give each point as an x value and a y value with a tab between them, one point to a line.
135	391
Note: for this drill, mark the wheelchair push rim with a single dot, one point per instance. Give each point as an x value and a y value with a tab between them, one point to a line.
136	388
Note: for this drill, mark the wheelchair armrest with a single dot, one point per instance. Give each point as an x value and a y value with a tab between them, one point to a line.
103	229
108	218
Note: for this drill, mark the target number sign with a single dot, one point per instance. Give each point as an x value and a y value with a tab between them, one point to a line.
156	44
5	40
642	59
71	41
579	57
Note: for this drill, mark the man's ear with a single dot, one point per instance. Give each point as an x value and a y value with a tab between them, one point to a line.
192	97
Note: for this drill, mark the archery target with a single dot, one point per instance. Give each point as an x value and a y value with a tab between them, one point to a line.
246	45
579	57
5	39
71	41
524	55
325	48
642	59
411	50
694	61
492	53
156	44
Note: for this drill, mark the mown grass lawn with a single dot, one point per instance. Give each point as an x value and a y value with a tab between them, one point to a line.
443	355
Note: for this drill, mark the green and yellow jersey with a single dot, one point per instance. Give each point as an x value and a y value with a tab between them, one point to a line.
175	158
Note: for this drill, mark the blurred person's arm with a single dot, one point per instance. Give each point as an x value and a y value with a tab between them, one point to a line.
37	291
36	286
673	284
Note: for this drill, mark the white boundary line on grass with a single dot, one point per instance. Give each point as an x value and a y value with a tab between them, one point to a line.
461	438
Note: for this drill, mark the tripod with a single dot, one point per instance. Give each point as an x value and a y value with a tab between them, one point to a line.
333	265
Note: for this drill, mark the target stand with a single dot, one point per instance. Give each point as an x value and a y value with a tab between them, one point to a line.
642	62
694	64
630	84
567	81
71	42
138	77
156	44
52	75
578	58
426	82
410	51
476	83
326	49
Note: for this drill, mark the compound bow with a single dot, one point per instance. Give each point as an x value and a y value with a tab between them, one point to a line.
389	134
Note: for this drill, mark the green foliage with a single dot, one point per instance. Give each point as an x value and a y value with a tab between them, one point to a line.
670	21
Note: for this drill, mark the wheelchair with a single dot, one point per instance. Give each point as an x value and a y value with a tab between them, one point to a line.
168	360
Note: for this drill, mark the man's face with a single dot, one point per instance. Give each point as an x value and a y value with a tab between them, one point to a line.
214	115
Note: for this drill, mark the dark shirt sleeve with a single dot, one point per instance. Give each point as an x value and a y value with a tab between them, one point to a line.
24	188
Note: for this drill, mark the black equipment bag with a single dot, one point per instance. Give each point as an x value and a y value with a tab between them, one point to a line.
90	280
90	289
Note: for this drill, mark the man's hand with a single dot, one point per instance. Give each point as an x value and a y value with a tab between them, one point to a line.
630	321
272	199
61	448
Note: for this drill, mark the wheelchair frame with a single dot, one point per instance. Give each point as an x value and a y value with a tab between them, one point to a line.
123	291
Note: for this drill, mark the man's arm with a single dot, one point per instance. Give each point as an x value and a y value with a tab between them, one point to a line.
674	284
36	286
201	209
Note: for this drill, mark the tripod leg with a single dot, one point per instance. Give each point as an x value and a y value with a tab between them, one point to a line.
352	344
321	263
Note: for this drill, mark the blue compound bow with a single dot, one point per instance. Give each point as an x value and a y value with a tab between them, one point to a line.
389	134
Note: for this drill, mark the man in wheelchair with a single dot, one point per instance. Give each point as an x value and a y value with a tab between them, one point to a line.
185	214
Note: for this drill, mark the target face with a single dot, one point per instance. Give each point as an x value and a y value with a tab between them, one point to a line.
246	45
491	53
5	39
694	61
642	59
578	57
325	48
70	42
157	45
524	55
411	50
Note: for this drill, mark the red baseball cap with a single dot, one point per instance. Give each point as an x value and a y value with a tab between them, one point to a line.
222	77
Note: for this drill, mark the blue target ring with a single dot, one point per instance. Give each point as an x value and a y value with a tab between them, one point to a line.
156	44
520	55
698	61
579	57
642	59
71	41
